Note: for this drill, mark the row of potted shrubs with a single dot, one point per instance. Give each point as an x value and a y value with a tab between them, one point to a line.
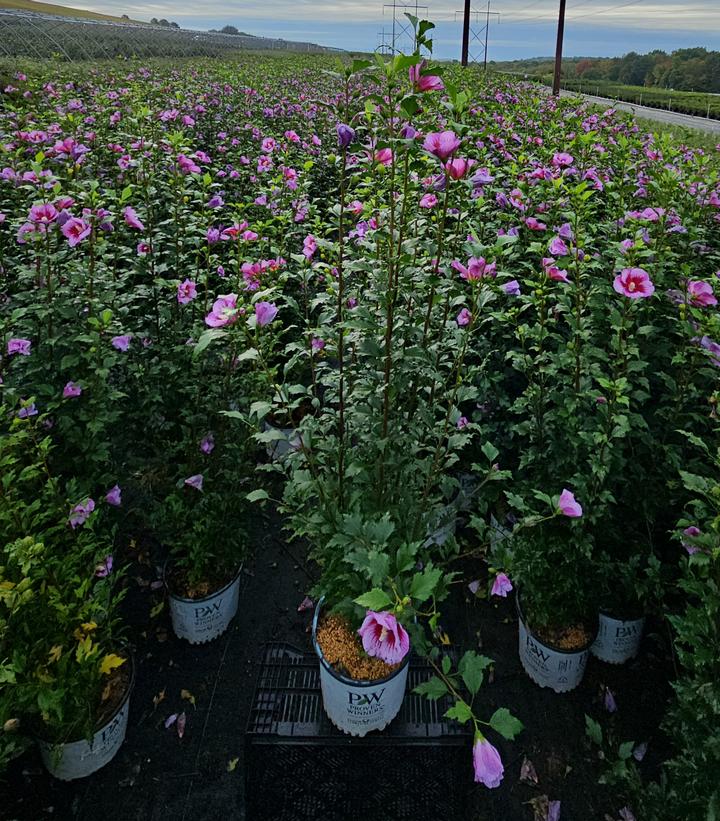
561	411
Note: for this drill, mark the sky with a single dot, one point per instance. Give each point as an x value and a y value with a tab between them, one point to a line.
523	28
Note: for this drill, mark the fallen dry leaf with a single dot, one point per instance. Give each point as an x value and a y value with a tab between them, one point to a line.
158	698
528	773
540	806
305	604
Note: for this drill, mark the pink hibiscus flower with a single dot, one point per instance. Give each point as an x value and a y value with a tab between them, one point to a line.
634	283
383	638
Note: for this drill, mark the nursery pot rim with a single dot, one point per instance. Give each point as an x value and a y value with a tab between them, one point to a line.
168	563
361	682
542	641
98	725
619	615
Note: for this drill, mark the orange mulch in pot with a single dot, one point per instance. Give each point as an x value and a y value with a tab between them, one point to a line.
342	648
565	638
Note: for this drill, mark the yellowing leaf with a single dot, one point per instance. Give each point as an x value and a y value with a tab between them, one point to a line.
84	648
85	628
159	697
42	675
55	653
188	696
232	764
444	638
109	663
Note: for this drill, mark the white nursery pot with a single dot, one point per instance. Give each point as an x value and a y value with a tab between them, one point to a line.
78	759
618	640
547	666
202	620
359	707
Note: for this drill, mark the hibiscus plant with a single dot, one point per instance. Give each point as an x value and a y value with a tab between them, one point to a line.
374	482
203	514
62	664
689	787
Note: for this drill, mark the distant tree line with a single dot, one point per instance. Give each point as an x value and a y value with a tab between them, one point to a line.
687	69
155	22
230	30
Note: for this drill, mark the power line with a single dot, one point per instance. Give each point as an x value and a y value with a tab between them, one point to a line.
673	12
532	5
511	18
606	11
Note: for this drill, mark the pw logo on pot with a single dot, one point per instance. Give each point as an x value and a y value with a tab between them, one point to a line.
207	610
361	699
537	651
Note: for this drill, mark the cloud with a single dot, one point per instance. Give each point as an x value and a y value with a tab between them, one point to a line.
524	28
693	15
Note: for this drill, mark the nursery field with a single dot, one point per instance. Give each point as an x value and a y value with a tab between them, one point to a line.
686	102
410	373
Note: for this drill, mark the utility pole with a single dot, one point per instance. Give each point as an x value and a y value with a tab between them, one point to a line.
559	49
487	31
402	31
472	34
465	35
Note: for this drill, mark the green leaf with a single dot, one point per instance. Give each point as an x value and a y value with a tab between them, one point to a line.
410	105
402	62
626	749
257	496
460	712
405	557
423	584
233	414
206	338
515	501
434	688
697	484
260	409
490	451
594	731
376	599
359	65
250	353
505	723
446	664
269	435
472	669
373	563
